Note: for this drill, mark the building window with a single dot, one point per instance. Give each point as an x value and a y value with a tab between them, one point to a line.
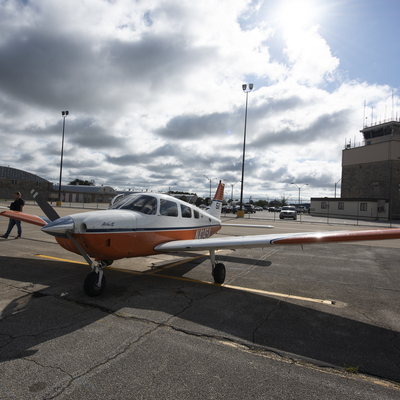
323	205
38	183
340	205
14	181
363	206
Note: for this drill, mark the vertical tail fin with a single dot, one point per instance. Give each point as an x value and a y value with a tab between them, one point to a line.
216	206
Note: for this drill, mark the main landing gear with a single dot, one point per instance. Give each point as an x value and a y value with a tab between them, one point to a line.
218	269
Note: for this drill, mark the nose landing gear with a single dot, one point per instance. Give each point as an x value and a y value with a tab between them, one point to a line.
95	282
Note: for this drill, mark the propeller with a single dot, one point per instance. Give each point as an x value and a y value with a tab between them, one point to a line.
52	215
50	212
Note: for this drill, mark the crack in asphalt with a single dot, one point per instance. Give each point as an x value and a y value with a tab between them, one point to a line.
243	345
277	307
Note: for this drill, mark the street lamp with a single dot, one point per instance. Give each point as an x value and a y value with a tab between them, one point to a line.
213	179
169	189
299	187
232	184
245	90
336	184
64	114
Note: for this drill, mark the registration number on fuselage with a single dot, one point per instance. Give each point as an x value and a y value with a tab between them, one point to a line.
203	233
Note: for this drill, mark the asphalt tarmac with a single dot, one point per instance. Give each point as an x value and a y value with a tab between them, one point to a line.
290	322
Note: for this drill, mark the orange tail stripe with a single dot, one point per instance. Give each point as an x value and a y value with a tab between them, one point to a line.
219	195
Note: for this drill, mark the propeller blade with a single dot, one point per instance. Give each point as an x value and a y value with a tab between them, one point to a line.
50	212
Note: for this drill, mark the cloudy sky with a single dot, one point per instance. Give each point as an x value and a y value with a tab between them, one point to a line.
154	90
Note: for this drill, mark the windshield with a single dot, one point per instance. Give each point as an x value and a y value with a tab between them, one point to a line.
291	208
141	203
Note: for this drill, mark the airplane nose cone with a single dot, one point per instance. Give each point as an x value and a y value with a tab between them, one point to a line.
60	227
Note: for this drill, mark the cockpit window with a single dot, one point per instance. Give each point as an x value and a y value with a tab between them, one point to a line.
186	211
168	208
142	203
117	201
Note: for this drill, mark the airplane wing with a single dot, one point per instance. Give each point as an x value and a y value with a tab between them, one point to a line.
24	217
237	242
249	226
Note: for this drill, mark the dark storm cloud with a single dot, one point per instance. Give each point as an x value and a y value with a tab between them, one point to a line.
88	133
326	126
66	71
80	132
41	68
157	60
193	127
270	106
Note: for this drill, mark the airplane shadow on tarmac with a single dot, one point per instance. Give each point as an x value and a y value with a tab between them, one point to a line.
273	324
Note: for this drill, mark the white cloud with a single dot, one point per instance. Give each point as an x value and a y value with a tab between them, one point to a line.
154	94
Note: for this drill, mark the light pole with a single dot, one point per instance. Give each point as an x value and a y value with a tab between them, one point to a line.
64	114
232	184
245	90
213	179
336	184
299	187
169	189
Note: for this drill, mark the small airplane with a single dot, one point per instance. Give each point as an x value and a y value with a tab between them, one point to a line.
143	224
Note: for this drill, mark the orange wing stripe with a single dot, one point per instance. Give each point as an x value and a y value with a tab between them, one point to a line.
24	217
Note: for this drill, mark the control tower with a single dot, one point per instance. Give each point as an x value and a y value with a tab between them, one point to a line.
373	169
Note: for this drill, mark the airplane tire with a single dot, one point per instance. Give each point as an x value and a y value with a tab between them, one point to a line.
90	284
219	273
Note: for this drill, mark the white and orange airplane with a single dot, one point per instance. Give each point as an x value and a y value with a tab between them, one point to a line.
142	224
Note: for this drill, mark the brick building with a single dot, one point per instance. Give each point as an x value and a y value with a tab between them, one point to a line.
12	180
372	171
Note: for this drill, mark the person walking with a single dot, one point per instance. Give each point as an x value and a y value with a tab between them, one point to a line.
17	205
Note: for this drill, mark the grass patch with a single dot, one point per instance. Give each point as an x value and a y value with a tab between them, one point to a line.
350	369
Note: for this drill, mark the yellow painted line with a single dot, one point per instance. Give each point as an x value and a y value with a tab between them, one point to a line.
179	278
61	259
286	296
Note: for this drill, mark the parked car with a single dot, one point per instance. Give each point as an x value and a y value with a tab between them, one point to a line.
288	212
249	208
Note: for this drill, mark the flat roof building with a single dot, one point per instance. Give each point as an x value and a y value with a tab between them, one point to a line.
372	171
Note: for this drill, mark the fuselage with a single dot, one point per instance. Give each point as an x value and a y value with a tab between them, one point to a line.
133	226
